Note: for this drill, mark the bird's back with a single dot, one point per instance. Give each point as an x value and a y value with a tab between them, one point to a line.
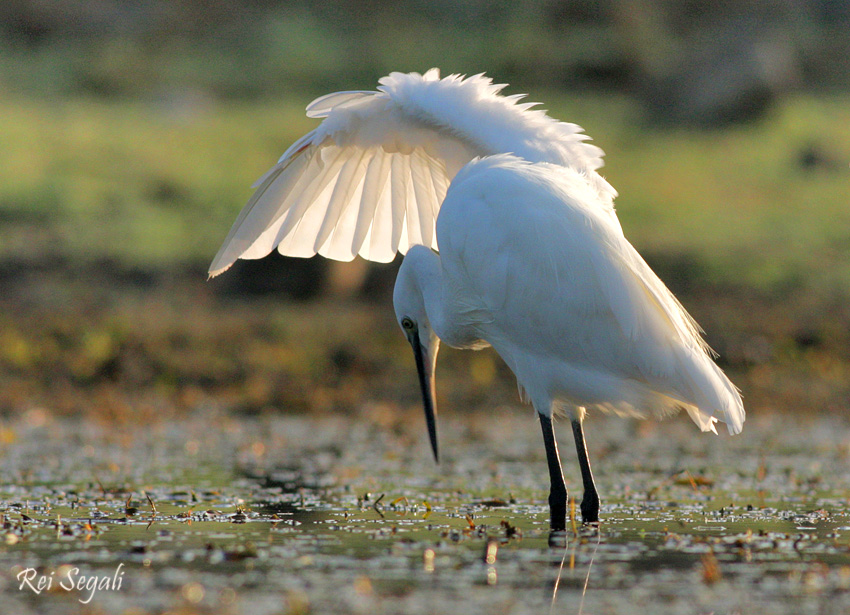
554	286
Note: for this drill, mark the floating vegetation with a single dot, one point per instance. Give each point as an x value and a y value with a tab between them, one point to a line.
690	523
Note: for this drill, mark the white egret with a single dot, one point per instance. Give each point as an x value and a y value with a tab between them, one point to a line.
532	259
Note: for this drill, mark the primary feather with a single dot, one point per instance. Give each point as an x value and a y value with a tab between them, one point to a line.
370	179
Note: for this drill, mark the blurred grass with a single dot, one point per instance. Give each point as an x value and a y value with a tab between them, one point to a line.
147	185
235	52
748	203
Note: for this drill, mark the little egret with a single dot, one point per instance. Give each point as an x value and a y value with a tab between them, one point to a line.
526	254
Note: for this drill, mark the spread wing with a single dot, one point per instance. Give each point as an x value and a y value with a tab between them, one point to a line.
371	178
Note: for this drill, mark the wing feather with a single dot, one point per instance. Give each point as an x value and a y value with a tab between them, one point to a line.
303	219
424	130
375	206
322	106
425	199
348	181
252	234
399	188
372	197
376	247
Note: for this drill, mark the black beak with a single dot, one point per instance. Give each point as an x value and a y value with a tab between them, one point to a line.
424	366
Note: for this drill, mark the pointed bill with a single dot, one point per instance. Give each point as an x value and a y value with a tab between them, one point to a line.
425	367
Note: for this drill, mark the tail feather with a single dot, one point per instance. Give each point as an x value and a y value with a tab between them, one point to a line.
713	394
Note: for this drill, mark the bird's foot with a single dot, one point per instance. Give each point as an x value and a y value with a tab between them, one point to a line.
590	508
558	511
558	521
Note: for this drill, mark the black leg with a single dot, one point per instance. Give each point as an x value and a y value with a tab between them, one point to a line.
590	501
557	488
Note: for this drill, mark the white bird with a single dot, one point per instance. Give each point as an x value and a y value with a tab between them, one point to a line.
532	259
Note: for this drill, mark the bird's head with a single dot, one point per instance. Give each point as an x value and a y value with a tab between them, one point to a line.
412	317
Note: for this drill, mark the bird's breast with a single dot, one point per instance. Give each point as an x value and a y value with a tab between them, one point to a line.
463	338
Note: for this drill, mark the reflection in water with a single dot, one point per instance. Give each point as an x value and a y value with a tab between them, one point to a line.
557	578
589	568
561	538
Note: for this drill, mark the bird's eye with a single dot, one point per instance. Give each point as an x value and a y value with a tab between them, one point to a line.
407	324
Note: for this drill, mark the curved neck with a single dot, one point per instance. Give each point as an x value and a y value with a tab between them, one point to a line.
423	271
420	279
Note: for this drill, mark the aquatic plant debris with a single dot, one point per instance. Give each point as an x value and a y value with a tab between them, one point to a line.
339	514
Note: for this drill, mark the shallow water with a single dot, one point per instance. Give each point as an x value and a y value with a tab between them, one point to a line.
215	513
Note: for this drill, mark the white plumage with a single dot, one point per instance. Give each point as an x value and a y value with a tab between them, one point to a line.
532	262
532	259
370	179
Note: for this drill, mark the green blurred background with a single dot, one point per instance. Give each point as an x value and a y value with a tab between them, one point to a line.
132	130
